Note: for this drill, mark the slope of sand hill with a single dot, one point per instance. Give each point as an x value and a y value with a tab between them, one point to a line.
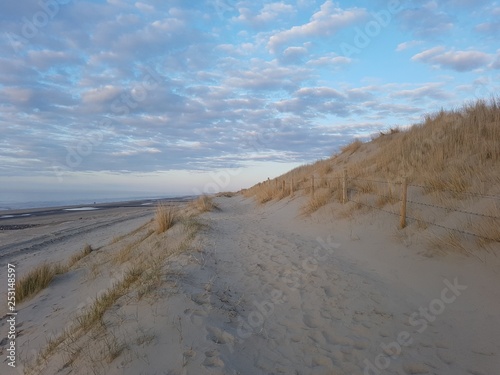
264	290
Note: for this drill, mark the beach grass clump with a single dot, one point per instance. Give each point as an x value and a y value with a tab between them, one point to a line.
103	302
205	204
317	201
87	249
164	218
267	193
487	228
352	147
36	280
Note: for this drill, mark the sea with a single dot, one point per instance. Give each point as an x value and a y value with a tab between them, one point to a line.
12	204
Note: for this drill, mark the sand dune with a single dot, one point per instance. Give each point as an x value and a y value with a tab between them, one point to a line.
263	290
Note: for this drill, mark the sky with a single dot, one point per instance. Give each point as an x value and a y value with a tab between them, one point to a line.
172	97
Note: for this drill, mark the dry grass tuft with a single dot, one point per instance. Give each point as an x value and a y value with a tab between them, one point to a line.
36	280
165	217
102	303
319	199
204	204
387	196
263	192
488	229
391	131
451	240
352	147
226	194
87	249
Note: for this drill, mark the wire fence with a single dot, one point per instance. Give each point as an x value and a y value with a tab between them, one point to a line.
395	196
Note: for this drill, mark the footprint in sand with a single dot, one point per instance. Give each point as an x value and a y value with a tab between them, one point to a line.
329	291
310	321
262	267
360	343
197	317
212	359
333	339
201	298
445	356
415	368
219	336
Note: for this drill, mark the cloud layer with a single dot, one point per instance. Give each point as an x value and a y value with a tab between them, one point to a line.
128	87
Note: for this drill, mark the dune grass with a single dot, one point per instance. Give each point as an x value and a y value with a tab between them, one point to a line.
352	147
102	303
40	277
142	279
204	204
317	201
36	280
87	249
165	217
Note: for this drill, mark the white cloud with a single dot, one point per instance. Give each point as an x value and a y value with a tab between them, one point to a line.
496	63
144	7
17	94
319	92
330	59
46	59
492	28
460	61
407	45
294	54
268	14
432	90
101	94
426	20
327	21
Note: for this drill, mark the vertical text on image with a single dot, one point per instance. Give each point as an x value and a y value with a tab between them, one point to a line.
11	320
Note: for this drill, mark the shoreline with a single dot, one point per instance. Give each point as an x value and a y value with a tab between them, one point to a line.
52	234
18	213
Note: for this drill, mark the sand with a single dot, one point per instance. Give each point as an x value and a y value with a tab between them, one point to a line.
258	290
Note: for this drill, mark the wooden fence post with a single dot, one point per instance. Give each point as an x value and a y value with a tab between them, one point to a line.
312	186
284	186
404	196
344	187
291	187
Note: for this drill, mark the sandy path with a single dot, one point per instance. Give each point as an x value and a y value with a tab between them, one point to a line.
282	299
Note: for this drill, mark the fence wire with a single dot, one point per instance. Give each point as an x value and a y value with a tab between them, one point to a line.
376	181
320	179
453	209
457	192
453	229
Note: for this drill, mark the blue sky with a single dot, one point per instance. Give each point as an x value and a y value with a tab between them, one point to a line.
173	97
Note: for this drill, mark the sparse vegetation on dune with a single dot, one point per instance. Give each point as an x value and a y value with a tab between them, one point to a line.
165	217
204	204
138	280
36	280
87	249
447	158
40	277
